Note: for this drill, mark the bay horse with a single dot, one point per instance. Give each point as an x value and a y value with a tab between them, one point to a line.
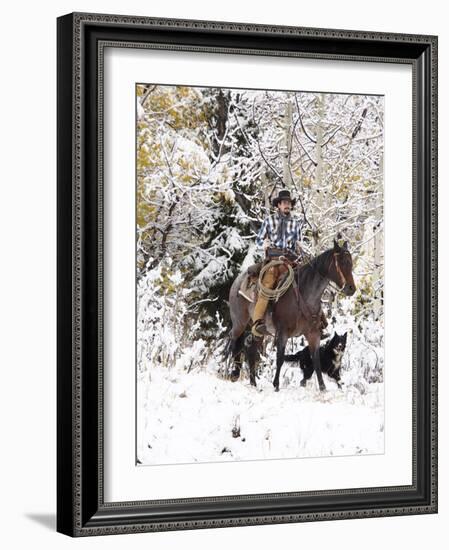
294	314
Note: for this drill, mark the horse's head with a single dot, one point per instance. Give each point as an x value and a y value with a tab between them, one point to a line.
340	271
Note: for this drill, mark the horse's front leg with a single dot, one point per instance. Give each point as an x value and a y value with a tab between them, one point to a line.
314	347
281	341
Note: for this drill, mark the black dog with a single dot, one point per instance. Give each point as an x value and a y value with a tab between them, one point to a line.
331	355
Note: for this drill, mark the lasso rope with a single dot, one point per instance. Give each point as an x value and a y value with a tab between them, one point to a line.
275	293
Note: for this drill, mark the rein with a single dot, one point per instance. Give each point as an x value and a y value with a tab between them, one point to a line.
301	302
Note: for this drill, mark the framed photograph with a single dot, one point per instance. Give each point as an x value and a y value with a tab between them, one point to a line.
247	274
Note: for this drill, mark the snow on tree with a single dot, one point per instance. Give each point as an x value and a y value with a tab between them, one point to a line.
209	162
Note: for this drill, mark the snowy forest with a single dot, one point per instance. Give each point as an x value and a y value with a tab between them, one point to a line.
208	163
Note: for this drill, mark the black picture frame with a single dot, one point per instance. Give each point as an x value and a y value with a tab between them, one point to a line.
81	510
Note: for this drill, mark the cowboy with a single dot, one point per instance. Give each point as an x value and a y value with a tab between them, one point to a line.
280	234
283	232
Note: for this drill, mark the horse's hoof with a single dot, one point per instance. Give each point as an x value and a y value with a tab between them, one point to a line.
322	388
235	375
303	383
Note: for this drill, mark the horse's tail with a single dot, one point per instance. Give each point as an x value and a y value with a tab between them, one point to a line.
227	348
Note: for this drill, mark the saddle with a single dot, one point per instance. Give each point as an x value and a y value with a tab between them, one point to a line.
249	287
254	269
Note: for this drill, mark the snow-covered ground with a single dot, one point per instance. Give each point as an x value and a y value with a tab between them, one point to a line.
188	411
198	417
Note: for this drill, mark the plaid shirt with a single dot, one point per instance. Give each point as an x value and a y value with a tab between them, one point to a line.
269	230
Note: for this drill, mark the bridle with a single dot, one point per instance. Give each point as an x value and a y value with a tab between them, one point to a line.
339	271
331	283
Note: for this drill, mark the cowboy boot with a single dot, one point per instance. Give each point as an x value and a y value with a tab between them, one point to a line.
259	328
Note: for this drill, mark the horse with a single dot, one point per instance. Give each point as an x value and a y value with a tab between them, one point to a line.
296	313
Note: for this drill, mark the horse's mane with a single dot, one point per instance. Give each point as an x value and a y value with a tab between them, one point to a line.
317	264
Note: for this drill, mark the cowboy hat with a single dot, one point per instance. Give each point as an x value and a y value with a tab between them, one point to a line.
283	195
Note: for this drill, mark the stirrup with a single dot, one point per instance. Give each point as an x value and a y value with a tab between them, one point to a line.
259	329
